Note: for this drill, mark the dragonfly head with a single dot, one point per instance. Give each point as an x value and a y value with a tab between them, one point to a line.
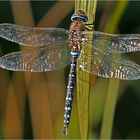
79	15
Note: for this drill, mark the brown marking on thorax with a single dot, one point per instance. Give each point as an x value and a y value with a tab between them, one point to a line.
75	36
77	25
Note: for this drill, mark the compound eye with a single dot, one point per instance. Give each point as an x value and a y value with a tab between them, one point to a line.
82	17
73	18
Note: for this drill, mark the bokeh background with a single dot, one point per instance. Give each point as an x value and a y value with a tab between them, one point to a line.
32	104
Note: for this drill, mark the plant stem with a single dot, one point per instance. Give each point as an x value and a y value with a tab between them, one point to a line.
83	78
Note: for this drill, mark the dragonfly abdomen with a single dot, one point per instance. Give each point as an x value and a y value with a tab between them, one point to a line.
70	91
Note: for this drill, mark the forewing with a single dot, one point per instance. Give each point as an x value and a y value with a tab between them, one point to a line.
28	36
109	66
114	43
38	60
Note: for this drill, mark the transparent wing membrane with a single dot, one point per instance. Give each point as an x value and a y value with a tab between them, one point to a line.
114	43
32	36
54	52
37	60
109	66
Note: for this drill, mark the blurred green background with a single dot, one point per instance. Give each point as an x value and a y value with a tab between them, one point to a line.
32	104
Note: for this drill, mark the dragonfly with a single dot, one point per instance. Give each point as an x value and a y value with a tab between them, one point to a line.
58	48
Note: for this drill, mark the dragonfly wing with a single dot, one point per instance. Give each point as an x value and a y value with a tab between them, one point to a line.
28	36
37	60
108	66
115	43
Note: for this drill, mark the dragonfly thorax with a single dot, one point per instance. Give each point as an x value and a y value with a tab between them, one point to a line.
76	27
75	41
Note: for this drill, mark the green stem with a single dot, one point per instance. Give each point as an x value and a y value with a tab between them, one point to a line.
83	79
